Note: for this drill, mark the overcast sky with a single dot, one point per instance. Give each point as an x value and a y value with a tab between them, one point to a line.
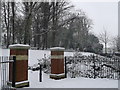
104	14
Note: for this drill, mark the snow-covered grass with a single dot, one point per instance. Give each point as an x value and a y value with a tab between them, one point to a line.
69	82
34	55
63	83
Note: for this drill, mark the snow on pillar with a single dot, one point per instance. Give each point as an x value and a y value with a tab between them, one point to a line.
21	74
57	63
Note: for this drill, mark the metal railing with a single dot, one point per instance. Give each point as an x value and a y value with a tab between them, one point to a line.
5	61
92	66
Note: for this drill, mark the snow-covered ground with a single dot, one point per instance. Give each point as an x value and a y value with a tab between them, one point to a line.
63	83
69	82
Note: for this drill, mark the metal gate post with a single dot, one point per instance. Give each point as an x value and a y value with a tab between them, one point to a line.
40	73
94	66
65	68
14	71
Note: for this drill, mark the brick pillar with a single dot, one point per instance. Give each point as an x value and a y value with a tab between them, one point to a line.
57	63
21	74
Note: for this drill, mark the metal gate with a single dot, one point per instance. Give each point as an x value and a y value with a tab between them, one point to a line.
92	66
5	62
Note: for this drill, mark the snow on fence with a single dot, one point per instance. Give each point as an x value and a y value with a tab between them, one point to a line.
93	66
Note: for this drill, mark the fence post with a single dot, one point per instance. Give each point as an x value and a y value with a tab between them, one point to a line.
65	68
14	71
40	73
119	69
94	65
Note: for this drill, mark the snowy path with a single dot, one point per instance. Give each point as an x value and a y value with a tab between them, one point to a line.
69	82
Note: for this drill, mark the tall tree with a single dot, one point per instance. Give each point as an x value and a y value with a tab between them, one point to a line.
6	16
114	43
45	21
28	12
104	38
0	26
59	16
13	20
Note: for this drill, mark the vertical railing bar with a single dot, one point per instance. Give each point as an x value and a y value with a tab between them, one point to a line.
7	74
1	71
3	74
5	70
114	70
111	68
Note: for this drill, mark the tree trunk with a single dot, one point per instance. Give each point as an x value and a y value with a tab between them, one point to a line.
6	19
13	18
54	20
46	13
105	48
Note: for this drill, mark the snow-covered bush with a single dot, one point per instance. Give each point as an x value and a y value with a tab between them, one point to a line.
45	62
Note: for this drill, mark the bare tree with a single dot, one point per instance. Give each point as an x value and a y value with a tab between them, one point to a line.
28	12
6	15
13	20
44	25
59	11
0	26
104	38
114	44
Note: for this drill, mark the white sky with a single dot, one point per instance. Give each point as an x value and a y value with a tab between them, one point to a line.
104	13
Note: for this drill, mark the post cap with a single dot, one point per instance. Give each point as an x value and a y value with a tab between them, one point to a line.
19	46
57	49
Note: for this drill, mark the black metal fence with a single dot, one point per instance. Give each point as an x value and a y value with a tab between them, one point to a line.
4	72
93	66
